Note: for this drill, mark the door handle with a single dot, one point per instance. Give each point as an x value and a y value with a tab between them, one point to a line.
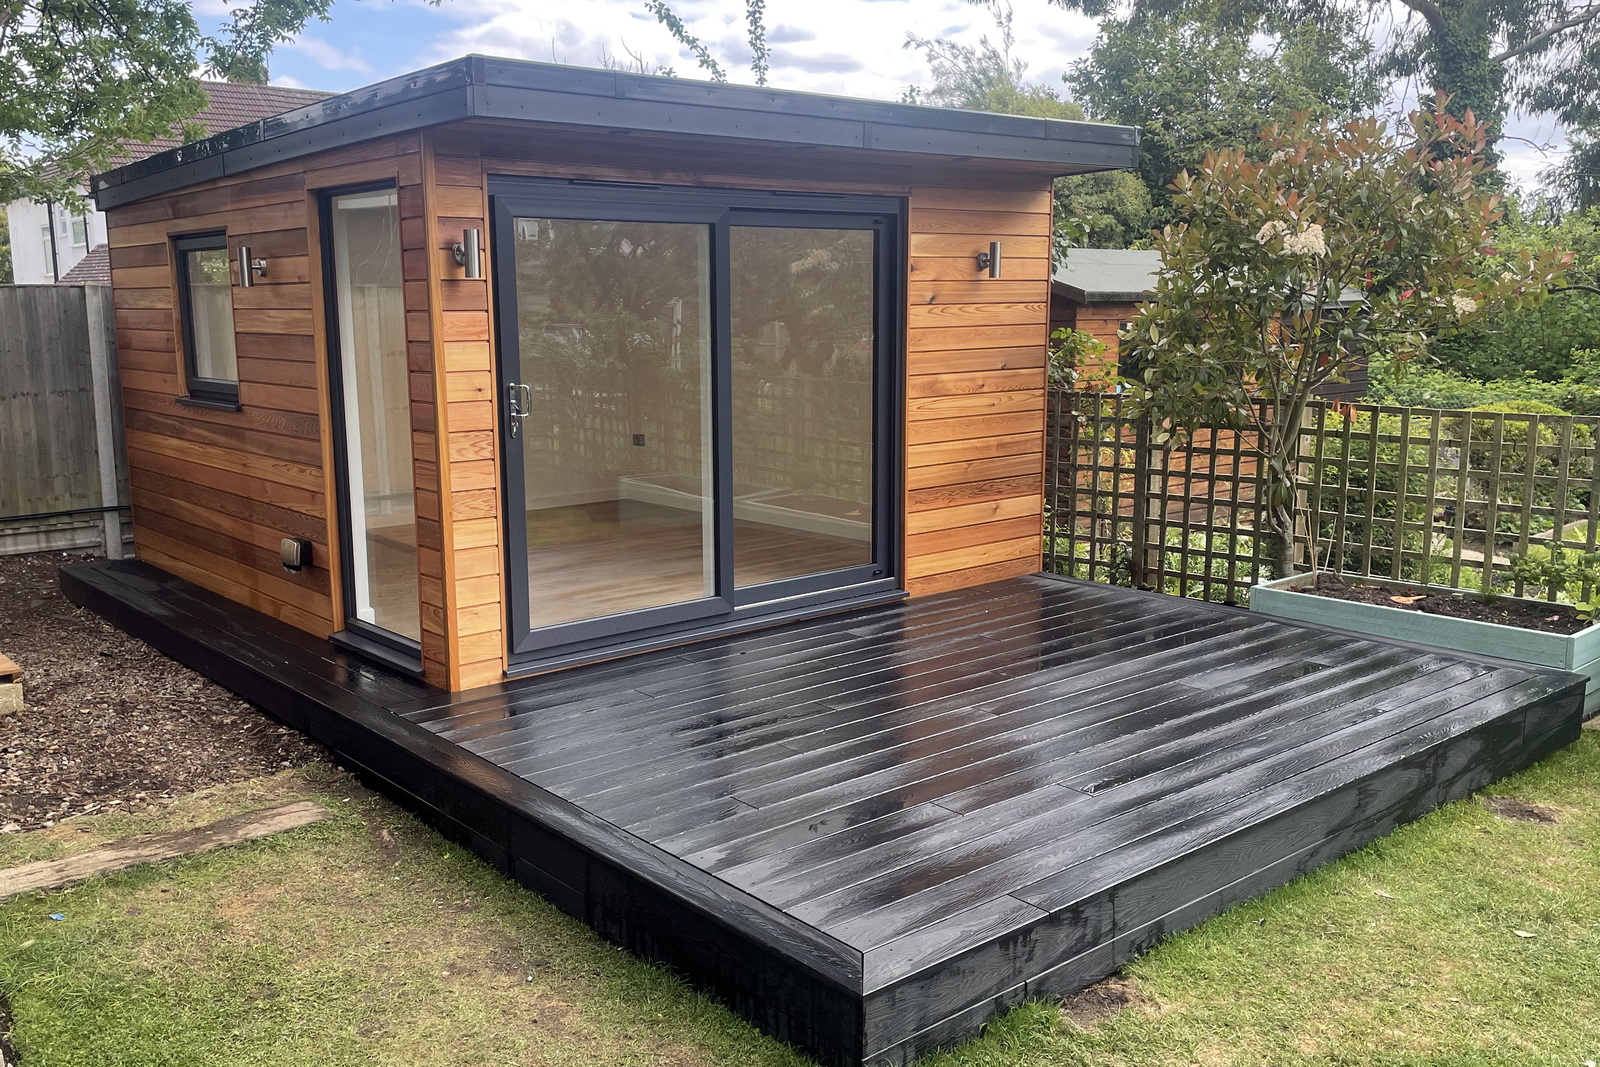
519	401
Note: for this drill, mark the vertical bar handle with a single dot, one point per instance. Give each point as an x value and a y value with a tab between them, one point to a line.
519	399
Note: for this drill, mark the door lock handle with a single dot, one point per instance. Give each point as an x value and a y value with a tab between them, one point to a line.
519	403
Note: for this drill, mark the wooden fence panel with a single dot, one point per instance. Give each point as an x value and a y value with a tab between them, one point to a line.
61	476
1448	498
1122	509
1444	498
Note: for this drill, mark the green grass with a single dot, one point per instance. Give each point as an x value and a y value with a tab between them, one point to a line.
368	940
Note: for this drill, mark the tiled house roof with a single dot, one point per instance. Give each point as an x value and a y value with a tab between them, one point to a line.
92	269
230	106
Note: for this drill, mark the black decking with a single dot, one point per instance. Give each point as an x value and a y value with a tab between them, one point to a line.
871	832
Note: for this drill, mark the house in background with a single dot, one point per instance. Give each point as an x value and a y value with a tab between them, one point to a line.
48	241
1098	290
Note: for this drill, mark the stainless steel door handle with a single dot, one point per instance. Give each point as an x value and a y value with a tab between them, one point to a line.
519	401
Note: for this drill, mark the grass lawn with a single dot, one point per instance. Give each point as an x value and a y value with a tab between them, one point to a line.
1467	938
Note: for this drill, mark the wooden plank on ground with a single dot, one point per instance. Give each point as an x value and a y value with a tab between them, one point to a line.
153	848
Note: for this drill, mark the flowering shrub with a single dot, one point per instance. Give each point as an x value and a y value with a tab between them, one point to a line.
1350	238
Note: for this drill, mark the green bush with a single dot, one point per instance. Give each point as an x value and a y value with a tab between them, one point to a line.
1428	387
1520	407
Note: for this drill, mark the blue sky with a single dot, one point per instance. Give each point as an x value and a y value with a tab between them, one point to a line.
852	47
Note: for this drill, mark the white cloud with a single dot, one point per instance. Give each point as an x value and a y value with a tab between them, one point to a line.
329	57
832	46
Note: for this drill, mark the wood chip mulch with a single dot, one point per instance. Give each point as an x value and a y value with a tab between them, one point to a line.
109	722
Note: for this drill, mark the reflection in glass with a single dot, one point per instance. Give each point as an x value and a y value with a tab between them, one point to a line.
802	333
372	363
615	348
211	314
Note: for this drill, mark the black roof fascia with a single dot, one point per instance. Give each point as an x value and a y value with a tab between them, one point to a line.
483	87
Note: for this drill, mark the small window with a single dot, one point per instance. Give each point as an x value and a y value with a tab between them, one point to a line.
80	231
205	294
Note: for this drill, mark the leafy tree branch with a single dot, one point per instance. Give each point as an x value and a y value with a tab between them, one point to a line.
684	36
1346	241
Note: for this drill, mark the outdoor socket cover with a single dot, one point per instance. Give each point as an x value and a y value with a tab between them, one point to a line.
295	552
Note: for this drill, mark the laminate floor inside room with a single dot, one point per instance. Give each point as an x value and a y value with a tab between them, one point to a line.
590	560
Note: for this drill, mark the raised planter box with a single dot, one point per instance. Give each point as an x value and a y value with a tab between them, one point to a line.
1579	652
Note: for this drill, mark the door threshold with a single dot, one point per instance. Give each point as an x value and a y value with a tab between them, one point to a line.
534	663
377	650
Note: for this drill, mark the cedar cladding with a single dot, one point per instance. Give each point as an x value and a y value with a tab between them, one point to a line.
215	490
975	379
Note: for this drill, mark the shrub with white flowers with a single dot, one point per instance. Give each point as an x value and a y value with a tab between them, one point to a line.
1349	239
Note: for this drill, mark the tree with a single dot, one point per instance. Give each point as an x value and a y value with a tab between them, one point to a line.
6	270
79	77
1108	209
1196	79
1574	183
1537	343
755	20
1485	56
1247	319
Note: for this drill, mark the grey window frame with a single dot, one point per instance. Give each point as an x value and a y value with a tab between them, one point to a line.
217	392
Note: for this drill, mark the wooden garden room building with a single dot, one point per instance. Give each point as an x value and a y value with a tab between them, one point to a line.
537	364
642	481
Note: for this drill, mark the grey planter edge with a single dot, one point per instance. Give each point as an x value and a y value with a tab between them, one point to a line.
1579	652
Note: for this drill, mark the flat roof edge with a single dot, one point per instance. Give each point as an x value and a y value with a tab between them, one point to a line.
1079	295
485	87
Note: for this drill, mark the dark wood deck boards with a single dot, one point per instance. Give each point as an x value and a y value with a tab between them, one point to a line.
872	831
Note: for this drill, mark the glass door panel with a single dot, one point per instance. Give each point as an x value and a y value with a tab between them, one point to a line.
380	552
803	332
612	410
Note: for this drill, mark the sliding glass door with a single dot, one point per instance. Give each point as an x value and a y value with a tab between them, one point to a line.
610	411
693	387
804	351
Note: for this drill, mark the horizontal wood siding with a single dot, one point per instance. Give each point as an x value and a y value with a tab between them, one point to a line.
974	403
214	490
1103	322
471	556
975	379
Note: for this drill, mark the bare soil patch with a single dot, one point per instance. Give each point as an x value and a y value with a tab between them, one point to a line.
110	722
1550	618
1093	1005
1519	810
8	1055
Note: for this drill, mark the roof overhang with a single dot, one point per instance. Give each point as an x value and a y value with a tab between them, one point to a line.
509	89
1079	295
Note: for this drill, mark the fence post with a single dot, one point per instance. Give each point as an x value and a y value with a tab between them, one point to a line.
1302	535
102	369
1054	431
1145	562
